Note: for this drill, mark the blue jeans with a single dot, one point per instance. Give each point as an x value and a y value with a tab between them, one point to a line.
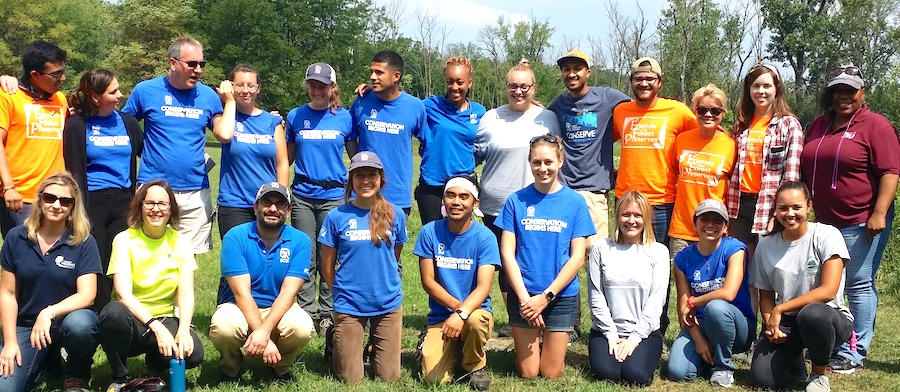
862	297
307	216
728	331
9	219
662	217
77	332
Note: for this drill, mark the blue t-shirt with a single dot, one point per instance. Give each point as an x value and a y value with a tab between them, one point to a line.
175	123
544	226
243	252
367	277
707	273
45	279
451	140
386	128
108	153
319	136
457	258
248	161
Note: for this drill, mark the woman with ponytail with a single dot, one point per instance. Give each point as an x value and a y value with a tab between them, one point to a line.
100	149
364	236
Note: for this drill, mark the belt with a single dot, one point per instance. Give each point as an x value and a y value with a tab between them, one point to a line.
298	178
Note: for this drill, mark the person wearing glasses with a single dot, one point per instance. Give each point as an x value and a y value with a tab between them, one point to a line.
769	141
49	279
176	110
700	164
100	148
32	118
851	163
254	148
545	226
502	144
318	134
152	268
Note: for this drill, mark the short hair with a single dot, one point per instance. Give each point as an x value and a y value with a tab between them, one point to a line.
460	61
638	198
392	58
175	47
38	53
242	68
77	219
135	210
710	90
94	81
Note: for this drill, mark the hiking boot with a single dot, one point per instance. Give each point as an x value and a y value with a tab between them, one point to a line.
843	365
285	378
324	323
722	378
329	344
818	383
479	380
74	384
116	385
505	332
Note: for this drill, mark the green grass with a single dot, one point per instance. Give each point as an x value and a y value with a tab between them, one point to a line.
882	368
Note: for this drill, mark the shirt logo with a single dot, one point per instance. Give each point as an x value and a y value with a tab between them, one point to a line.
440	248
697	275
352	223
373	113
322	232
168	99
473	118
239	127
644	132
811	264
307	124
95	129
529	211
63	263
285	254
848	135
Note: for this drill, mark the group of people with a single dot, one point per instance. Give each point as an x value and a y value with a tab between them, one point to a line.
727	206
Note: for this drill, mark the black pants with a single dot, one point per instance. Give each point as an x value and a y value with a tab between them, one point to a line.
817	327
502	281
429	198
107	209
123	336
637	369
229	217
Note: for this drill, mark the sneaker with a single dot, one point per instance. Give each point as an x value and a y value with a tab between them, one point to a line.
285	378
818	383
505	332
224	378
116	386
479	380
722	378
73	384
324	323
574	336
843	365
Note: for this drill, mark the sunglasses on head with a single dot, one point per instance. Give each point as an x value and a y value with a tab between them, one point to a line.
702	110
851	70
50	198
770	67
545	137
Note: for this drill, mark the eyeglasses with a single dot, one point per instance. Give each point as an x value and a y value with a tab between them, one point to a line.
281	204
545	137
50	198
851	70
55	75
716	111
512	87
192	63
641	80
245	87
162	205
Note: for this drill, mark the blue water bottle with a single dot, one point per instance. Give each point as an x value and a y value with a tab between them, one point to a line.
176	375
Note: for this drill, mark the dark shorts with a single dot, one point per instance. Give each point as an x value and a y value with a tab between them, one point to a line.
741	226
559	315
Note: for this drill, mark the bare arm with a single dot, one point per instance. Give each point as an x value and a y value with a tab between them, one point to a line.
887	188
282	162
240	286
328	257
223	126
352	147
9	309
733	278
10	194
433	288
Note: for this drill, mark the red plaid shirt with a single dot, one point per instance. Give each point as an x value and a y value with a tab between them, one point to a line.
781	163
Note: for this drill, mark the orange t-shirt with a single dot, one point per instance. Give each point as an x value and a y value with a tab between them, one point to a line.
700	169
751	176
647	135
33	138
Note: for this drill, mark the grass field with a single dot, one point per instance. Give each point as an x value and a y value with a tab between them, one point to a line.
882	372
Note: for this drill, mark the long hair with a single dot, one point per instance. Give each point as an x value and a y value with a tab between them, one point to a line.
746	108
135	209
94	81
381	215
638	198
556	145
798	185
77	220
525	66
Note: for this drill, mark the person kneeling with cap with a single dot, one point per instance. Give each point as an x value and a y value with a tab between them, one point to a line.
457	260
264	263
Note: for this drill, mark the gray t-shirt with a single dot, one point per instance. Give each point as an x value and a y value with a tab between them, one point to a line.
502	144
793	268
587	134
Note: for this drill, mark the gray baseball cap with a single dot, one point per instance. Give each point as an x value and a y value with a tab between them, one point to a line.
270	187
846	74
321	72
365	159
711	205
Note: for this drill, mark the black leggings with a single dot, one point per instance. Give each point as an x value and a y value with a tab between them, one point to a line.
817	327
107	209
637	369
429	198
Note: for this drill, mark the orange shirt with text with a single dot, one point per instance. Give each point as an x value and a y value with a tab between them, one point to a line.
751	176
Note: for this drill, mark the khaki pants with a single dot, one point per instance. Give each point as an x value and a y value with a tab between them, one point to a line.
440	357
228	331
196	218
599	210
385	331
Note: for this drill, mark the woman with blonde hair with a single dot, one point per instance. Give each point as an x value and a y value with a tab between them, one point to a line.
48	283
628	276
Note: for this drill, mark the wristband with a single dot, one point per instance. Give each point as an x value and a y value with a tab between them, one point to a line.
150	321
690	302
8	189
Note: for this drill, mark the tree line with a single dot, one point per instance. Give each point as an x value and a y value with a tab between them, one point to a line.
697	42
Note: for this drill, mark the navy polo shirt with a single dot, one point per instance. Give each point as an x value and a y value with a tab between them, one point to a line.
45	279
243	252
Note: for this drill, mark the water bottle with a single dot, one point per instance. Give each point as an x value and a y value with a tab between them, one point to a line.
176	375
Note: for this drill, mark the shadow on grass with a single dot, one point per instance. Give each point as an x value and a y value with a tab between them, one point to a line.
892	367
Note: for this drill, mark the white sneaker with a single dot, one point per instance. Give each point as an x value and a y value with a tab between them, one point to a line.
722	378
818	383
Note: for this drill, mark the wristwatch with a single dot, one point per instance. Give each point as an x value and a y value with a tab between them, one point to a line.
462	314
550	295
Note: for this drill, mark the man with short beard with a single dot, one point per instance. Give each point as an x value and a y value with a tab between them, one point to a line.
264	263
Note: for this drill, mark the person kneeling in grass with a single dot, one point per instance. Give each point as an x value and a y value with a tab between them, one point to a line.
457	260
264	263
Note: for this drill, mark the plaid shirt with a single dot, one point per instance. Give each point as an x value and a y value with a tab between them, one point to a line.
778	167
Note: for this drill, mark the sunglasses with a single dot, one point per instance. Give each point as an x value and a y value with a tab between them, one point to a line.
702	110
192	63
280	204
545	137
851	70
50	198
